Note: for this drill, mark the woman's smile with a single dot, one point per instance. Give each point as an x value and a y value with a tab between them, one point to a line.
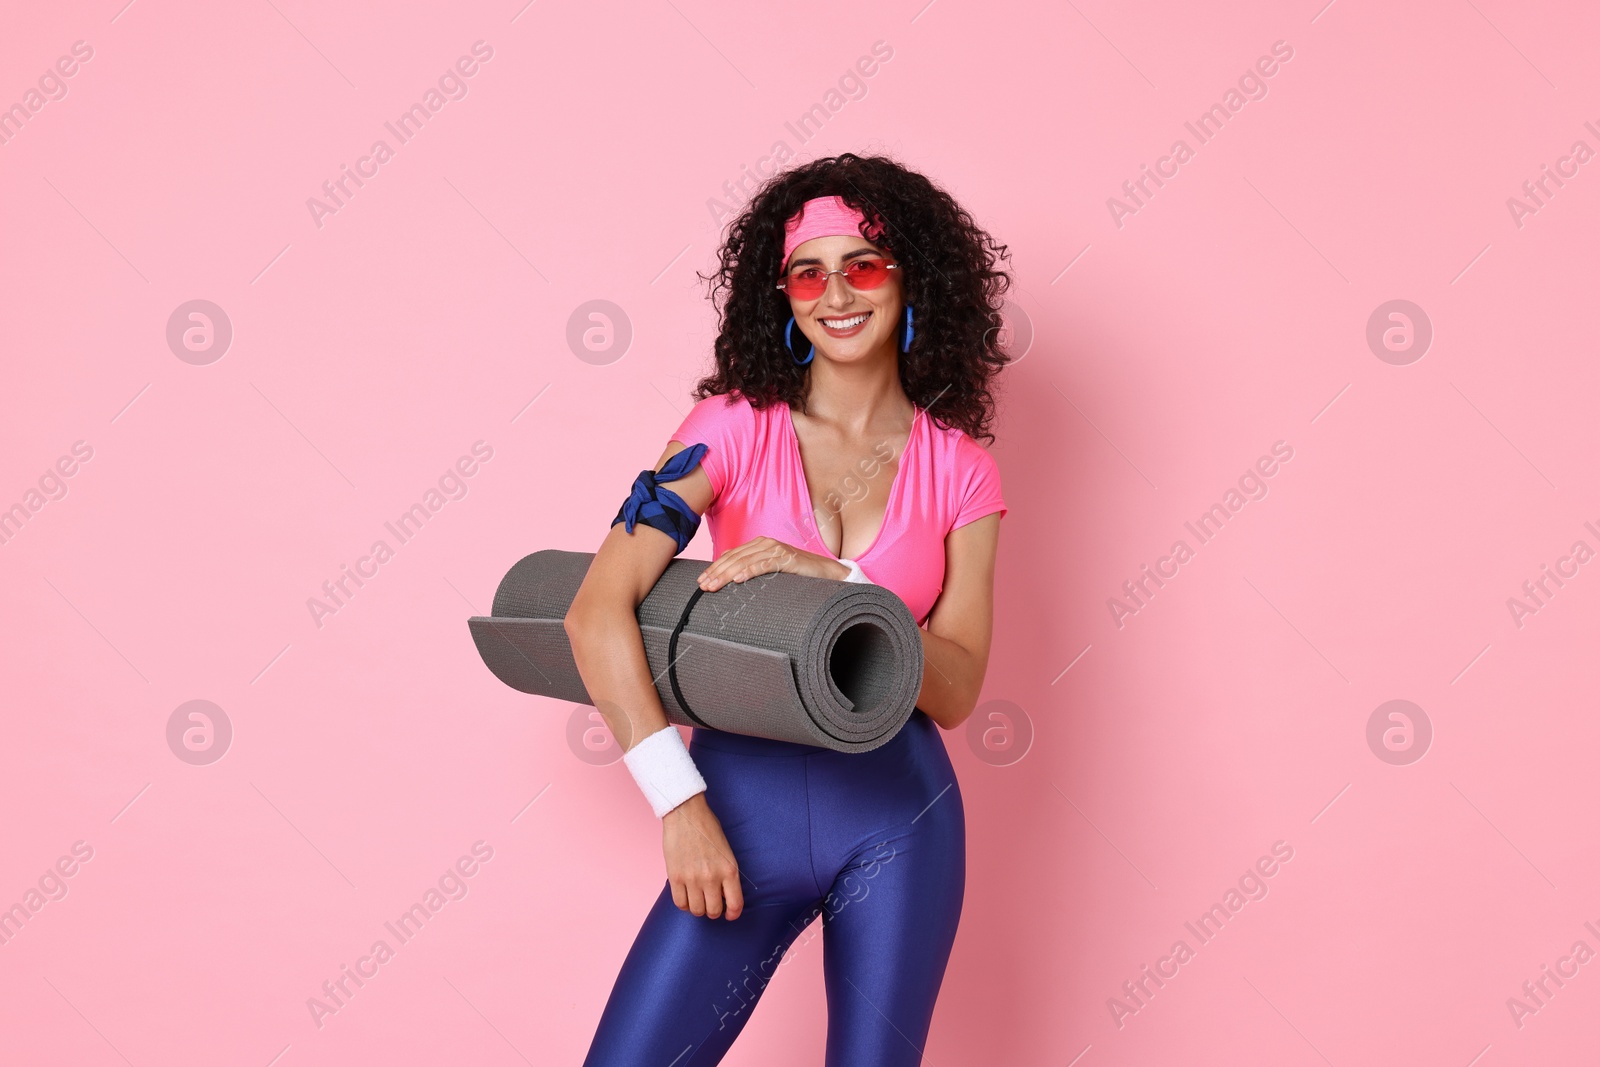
844	325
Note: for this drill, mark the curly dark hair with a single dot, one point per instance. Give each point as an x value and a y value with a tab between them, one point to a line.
948	275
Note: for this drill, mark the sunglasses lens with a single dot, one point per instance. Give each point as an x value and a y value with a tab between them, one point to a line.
807	284
867	273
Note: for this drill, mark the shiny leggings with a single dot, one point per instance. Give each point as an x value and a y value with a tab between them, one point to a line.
873	842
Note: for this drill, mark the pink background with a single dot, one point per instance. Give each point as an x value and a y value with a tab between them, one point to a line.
431	312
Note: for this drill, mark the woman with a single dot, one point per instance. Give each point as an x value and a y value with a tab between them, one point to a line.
836	439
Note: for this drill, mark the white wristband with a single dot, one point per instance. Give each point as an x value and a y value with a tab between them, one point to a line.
664	770
856	573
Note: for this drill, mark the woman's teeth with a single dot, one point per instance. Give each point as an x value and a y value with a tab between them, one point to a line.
845	324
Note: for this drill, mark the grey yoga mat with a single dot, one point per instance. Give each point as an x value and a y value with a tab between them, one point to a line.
784	656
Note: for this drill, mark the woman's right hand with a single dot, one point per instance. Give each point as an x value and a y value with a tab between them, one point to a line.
700	864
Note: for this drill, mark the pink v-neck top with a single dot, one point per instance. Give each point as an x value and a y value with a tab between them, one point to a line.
945	479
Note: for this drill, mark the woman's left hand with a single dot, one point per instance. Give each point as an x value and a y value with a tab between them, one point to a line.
768	555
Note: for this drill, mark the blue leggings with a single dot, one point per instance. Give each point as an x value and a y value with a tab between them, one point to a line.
873	842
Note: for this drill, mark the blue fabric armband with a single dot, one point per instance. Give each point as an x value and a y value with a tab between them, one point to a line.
661	508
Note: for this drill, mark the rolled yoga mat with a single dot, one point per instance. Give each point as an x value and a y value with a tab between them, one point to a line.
782	656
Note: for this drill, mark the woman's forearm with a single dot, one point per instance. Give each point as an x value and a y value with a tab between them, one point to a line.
951	680
608	649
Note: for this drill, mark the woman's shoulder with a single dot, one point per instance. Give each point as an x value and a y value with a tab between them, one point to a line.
724	415
961	451
732	398
730	428
969	474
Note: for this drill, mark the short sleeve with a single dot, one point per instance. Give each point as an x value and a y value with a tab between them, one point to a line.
724	423
981	492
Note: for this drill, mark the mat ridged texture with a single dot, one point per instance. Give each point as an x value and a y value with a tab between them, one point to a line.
783	656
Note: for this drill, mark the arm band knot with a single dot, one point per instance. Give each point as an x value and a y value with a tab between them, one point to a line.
661	508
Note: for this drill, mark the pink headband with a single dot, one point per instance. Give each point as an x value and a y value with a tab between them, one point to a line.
825	216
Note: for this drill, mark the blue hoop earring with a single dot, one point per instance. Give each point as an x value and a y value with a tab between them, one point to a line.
905	344
788	342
